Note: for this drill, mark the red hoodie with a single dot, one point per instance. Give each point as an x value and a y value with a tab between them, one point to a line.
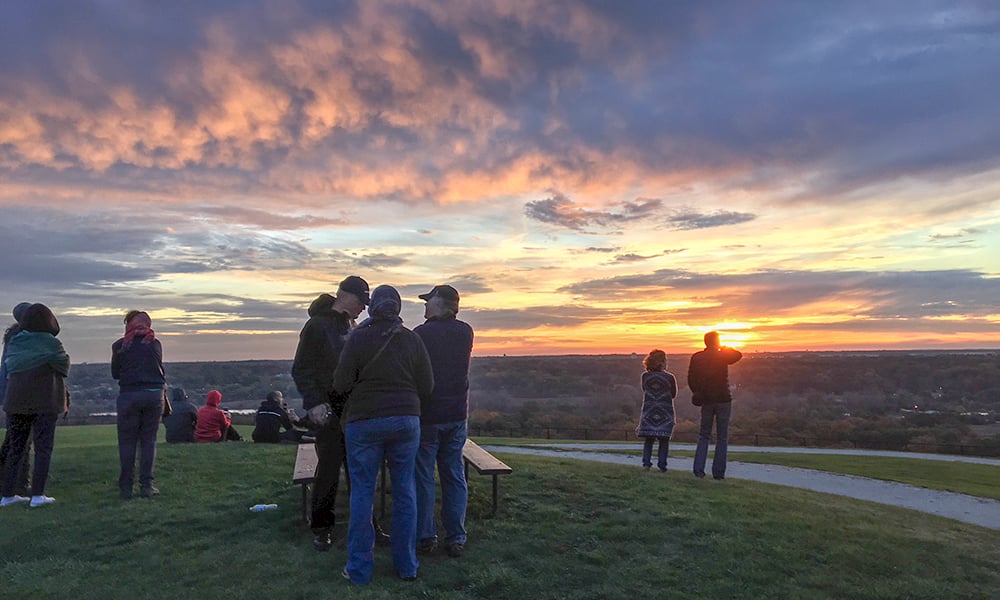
212	422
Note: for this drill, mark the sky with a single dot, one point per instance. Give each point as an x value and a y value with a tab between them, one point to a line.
593	176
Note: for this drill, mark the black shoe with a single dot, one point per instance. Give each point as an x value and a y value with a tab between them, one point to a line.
427	546
125	494
148	491
718	477
699	475
411	578
382	538
323	542
456	550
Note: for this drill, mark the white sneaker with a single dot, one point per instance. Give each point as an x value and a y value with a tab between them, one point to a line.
8	500
37	501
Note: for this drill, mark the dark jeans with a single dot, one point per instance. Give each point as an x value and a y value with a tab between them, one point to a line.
43	429
138	421
330	455
719	414
23	469
661	455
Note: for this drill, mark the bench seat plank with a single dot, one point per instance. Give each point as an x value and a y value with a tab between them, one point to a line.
484	462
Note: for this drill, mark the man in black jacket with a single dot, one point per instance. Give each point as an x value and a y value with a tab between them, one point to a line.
708	378
272	416
320	343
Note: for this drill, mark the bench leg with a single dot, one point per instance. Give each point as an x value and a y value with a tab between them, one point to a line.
496	495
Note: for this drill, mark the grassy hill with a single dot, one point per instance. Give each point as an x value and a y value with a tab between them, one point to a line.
566	529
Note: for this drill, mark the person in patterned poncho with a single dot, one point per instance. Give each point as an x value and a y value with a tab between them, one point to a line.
657	421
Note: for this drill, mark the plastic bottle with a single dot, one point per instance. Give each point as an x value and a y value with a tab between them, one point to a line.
263	507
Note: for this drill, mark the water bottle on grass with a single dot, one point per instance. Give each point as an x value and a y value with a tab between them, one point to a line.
263	507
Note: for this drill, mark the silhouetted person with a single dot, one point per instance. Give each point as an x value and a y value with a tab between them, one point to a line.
21	488
708	378
273	416
181	423
37	366
657	420
320	343
137	364
444	422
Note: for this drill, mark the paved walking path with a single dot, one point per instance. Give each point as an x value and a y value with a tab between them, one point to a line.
984	512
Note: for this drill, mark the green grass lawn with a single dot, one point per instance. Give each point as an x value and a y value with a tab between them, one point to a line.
566	529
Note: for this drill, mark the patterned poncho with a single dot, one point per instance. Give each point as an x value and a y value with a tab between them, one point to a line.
659	389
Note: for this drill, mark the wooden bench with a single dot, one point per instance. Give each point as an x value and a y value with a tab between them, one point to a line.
304	474
482	461
485	464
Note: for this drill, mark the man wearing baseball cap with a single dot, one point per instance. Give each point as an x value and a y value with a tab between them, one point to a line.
444	422
320	343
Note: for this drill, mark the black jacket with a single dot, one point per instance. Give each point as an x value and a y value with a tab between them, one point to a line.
138	368
271	417
397	381
449	345
708	375
320	344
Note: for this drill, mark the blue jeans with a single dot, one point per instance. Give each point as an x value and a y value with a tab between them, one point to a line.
395	439
442	444
719	414
138	420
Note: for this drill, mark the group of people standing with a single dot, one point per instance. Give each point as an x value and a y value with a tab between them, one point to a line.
378	391
708	378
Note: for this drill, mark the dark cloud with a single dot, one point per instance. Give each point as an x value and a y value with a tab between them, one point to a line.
560	210
719	218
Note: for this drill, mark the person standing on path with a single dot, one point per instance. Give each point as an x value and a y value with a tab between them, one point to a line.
320	343
444	422
137	364
657	421
708	378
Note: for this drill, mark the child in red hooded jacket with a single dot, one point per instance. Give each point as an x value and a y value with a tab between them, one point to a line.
212	422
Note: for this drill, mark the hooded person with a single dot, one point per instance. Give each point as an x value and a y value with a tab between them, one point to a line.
23	469
316	357
37	366
137	364
181	423
385	373
213	423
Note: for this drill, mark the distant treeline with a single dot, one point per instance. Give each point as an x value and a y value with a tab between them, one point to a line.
816	394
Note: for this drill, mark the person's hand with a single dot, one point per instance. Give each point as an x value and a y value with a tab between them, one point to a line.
319	414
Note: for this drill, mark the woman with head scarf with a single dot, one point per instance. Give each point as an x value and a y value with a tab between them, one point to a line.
137	364
37	366
385	372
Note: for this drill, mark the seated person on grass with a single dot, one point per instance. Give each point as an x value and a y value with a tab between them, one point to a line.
182	421
272	416
214	424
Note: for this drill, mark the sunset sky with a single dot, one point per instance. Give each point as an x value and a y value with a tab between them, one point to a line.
593	176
